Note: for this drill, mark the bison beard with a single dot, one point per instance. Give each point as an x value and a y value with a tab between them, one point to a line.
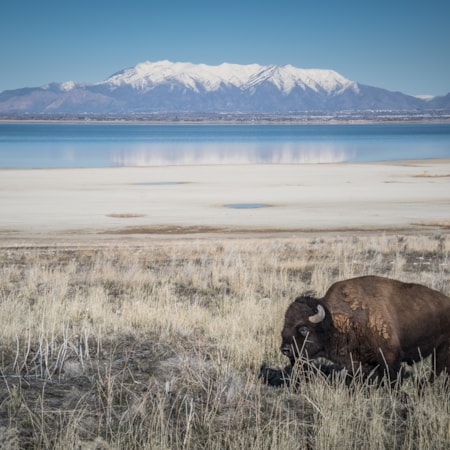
368	325
294	375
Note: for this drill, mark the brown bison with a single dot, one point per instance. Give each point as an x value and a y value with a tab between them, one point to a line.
372	324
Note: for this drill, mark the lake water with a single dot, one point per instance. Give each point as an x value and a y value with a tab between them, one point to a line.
38	145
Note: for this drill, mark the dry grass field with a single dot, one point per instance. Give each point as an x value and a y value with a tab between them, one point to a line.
157	344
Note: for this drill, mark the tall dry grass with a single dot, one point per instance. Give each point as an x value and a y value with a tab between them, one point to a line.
158	345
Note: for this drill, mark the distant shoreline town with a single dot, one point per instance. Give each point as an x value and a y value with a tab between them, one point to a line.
339	117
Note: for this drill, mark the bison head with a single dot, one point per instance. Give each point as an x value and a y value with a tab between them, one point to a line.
306	329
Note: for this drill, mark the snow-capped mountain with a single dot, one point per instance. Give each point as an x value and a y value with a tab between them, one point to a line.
146	76
165	86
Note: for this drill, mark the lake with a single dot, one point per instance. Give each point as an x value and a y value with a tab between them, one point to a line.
39	145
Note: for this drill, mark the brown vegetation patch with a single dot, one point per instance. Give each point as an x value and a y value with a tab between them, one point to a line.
124	215
434	223
426	174
166	229
170	229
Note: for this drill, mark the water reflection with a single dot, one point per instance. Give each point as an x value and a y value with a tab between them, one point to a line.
222	153
26	145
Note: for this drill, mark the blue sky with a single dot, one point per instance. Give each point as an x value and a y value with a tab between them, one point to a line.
400	45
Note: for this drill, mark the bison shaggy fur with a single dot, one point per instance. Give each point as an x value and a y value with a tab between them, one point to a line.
370	324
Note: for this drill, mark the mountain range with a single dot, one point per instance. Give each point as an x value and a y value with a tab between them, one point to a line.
165	86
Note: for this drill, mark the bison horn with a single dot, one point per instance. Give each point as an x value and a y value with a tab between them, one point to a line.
319	316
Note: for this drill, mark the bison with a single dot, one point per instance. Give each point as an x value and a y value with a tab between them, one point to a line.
371	324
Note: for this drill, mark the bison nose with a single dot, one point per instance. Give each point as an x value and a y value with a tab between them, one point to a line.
286	349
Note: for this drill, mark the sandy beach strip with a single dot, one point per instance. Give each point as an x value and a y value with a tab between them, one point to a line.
224	199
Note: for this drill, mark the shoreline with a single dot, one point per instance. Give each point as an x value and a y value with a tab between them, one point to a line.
431	160
243	123
246	119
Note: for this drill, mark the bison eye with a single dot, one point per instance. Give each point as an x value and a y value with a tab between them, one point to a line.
304	331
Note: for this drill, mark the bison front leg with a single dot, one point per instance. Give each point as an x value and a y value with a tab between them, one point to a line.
440	360
390	365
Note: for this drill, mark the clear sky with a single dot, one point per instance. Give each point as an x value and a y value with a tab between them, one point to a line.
400	45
